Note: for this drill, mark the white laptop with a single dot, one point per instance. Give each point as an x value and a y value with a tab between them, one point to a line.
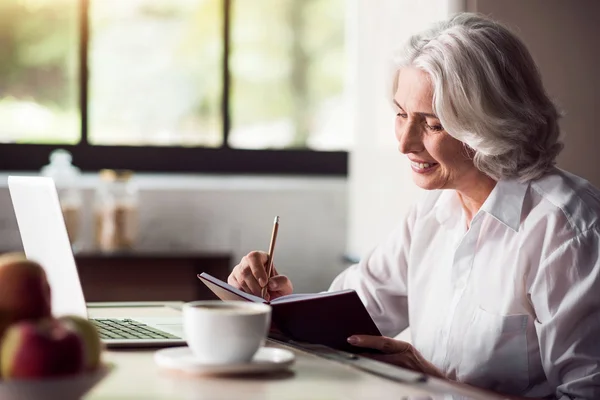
45	240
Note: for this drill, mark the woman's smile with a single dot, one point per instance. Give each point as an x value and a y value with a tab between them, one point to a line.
423	167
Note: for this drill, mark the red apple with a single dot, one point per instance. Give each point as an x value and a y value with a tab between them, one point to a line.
38	349
24	290
91	339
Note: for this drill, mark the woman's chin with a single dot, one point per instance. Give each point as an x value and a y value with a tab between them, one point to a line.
426	182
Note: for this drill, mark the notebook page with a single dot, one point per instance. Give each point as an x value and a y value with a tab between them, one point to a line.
307	296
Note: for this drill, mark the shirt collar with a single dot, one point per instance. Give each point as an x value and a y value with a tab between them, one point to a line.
504	203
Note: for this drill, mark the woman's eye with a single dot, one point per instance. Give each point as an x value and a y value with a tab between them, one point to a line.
401	115
435	128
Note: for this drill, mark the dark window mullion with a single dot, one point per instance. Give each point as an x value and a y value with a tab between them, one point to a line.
83	68
225	108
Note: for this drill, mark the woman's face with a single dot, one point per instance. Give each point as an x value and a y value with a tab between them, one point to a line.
438	161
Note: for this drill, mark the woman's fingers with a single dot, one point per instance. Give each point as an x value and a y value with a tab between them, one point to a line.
384	344
241	278
250	276
256	261
279	285
246	277
232	280
396	352
238	284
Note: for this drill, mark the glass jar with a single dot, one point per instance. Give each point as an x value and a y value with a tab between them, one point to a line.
67	181
116	211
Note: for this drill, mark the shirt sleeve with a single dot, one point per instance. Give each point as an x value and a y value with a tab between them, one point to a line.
565	294
380	279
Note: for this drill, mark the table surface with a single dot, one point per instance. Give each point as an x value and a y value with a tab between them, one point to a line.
311	377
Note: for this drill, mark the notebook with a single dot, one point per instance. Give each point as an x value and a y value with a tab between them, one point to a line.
327	318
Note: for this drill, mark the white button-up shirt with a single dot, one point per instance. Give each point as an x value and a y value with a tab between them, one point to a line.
512	303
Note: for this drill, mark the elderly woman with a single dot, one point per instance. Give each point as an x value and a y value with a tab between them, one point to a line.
497	270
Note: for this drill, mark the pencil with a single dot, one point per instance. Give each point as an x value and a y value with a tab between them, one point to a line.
269	268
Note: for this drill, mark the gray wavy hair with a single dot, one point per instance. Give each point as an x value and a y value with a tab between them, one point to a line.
488	94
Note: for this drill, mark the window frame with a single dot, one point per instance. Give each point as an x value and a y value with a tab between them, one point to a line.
173	159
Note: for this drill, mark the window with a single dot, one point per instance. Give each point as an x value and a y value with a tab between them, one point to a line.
38	73
238	86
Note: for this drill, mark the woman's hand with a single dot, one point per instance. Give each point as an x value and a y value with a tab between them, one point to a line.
397	352
405	355
250	276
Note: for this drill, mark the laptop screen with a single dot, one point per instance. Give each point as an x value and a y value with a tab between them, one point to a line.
45	240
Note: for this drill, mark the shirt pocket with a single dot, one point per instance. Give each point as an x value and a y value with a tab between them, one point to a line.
495	353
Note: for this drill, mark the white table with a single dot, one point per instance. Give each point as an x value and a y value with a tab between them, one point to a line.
136	376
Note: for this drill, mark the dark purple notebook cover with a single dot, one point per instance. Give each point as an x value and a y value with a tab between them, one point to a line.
323	318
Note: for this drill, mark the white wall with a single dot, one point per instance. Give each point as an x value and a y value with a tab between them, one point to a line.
233	215
380	183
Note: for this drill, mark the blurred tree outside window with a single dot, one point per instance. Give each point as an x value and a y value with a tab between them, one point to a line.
155	73
39	91
288	65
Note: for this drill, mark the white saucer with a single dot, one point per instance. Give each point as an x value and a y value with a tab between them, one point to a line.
266	359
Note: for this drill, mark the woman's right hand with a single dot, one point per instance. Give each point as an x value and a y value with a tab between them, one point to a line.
250	276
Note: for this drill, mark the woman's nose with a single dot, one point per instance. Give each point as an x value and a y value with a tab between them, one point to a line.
409	138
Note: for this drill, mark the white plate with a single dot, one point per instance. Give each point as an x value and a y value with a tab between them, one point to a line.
266	359
60	388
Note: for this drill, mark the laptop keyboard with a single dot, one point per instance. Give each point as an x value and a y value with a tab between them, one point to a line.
128	329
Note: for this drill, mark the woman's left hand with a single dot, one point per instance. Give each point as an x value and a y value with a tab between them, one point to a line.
397	352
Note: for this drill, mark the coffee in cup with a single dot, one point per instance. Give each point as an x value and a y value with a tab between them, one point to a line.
225	332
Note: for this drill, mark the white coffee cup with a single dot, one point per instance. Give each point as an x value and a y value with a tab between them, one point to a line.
225	332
